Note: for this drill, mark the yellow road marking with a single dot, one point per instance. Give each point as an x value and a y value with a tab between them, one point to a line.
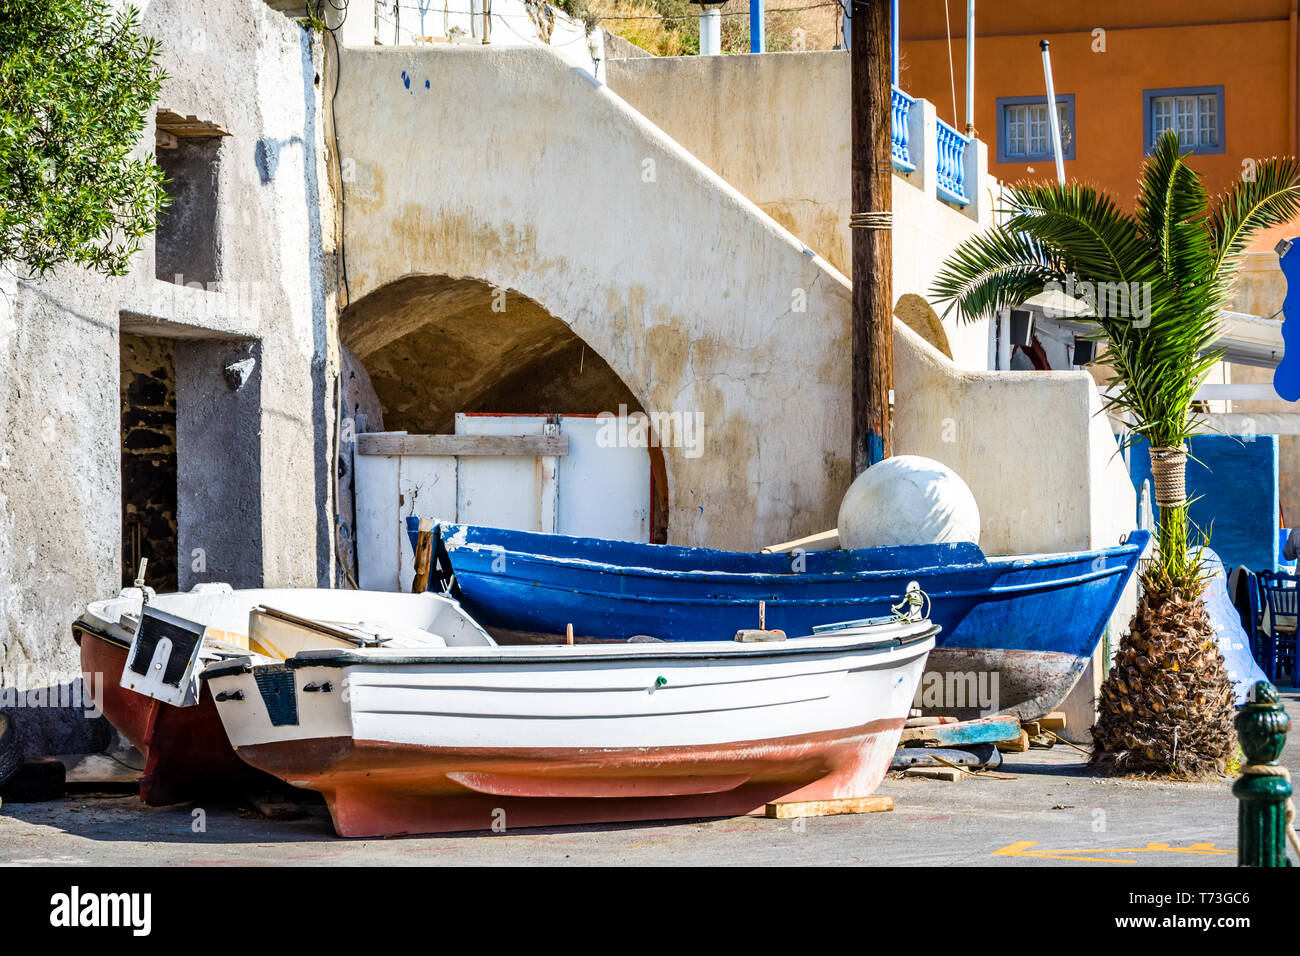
1022	848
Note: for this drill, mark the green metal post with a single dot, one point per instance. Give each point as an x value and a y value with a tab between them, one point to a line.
1261	725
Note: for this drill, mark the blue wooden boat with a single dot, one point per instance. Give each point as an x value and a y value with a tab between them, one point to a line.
1017	633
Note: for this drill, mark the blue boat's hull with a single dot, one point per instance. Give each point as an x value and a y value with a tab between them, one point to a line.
1026	626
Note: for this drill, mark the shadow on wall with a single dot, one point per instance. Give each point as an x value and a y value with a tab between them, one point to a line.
266	155
434	346
919	316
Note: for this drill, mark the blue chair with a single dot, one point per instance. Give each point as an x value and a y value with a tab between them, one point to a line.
1249	594
1282	600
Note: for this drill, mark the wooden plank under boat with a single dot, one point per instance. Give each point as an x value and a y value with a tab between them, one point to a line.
1025	625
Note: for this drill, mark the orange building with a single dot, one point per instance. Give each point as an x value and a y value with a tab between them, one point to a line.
1223	74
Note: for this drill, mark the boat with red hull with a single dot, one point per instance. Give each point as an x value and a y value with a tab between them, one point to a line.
187	753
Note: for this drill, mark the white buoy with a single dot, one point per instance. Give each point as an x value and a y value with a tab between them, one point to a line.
908	499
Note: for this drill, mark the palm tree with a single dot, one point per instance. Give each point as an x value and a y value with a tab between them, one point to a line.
1167	704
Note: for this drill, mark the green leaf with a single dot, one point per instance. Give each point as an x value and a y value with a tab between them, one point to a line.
77	82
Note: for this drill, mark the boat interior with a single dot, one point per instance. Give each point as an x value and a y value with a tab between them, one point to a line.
279	623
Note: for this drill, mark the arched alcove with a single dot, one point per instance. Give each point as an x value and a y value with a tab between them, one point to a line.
434	346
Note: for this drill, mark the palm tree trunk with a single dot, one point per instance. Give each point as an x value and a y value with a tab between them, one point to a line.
1167	704
1169	476
1171	543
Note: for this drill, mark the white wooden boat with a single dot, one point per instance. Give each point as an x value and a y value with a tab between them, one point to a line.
416	737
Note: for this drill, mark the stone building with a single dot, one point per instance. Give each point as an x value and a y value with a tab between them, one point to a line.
181	413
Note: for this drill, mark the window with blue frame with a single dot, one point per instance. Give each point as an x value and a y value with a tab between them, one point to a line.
1025	131
1195	113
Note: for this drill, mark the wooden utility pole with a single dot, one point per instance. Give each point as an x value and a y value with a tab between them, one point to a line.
871	222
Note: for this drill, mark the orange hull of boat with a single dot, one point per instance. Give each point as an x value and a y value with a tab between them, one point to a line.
376	788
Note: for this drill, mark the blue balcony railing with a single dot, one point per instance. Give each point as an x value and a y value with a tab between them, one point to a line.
902	104
950	172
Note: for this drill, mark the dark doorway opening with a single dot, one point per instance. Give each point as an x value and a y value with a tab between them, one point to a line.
149	461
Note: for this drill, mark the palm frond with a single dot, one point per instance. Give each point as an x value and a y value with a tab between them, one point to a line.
991	271
1171	210
1270	197
1174	254
1084	228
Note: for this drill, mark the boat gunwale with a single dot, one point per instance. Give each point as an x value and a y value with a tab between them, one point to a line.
997	564
785	601
81	624
681	651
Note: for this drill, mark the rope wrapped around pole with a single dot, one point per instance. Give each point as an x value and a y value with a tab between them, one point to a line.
871	220
1168	473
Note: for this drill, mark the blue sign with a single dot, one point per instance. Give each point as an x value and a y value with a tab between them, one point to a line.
1286	377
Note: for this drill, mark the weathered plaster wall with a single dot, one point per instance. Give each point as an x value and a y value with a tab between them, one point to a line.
255	74
693	308
60	524
774	126
1032	446
777	127
535	183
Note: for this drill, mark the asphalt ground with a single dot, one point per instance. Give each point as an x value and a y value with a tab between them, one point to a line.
1051	812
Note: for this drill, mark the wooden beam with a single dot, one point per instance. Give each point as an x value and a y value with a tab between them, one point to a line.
823	541
824	808
379	443
178	125
1053	721
871	118
423	556
982	730
950	774
1017	746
